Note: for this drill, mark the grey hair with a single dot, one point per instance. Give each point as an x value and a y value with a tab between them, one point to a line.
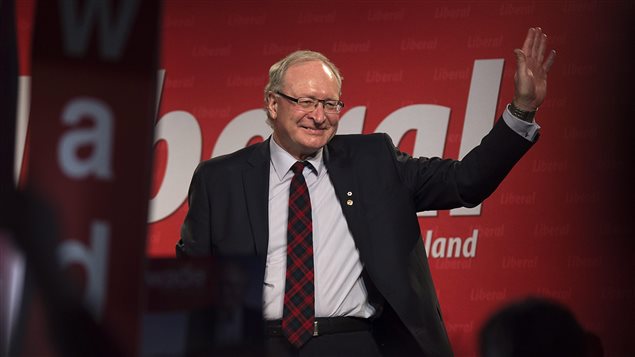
279	69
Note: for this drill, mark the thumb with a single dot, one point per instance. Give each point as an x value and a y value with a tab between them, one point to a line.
521	62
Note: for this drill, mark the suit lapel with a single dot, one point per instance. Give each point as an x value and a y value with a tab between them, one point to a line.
256	188
343	173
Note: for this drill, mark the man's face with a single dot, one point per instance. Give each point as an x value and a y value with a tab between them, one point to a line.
299	132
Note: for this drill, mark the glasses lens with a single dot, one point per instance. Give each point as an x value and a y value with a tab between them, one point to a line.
332	106
307	103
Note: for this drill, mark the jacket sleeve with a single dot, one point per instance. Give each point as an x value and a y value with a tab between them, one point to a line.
436	183
195	231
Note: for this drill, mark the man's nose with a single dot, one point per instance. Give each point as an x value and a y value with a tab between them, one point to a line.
318	114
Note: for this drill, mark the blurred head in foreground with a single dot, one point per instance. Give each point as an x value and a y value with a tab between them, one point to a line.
536	327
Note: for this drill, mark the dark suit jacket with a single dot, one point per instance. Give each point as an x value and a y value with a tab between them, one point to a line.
228	214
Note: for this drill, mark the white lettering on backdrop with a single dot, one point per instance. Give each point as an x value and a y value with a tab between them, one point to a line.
182	133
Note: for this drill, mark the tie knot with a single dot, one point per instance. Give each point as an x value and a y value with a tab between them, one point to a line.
299	166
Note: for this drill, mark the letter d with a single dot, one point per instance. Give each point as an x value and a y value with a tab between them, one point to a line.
72	251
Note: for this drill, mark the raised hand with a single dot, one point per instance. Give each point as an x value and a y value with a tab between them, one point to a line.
531	72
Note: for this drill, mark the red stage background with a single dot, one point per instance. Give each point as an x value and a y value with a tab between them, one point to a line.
557	227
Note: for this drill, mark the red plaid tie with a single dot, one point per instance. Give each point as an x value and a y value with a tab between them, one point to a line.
299	312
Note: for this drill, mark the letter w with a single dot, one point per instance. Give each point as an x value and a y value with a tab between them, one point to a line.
113	34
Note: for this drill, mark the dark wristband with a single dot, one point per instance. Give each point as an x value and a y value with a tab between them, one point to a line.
521	114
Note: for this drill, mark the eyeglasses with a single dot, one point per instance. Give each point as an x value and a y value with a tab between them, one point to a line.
310	104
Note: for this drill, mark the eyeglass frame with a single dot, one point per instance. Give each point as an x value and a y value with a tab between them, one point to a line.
317	102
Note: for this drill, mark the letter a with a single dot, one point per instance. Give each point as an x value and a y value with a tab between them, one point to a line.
100	137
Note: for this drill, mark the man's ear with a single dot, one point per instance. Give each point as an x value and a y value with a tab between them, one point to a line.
272	105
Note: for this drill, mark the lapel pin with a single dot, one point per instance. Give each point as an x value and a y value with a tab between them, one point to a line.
349	193
349	202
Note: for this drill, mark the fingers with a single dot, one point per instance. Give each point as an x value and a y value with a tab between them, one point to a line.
535	50
535	46
549	62
529	41
541	47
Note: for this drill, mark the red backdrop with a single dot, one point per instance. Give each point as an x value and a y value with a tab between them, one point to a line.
557	227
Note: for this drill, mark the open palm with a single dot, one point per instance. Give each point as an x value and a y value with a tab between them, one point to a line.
531	73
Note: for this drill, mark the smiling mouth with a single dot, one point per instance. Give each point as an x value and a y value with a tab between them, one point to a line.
314	130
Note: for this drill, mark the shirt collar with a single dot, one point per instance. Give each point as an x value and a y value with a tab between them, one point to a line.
282	160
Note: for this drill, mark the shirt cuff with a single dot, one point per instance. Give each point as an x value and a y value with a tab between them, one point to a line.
527	130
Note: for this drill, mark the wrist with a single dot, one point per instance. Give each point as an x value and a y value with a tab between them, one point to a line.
522	113
522	106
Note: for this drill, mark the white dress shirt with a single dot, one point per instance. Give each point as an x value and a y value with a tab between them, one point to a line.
339	289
